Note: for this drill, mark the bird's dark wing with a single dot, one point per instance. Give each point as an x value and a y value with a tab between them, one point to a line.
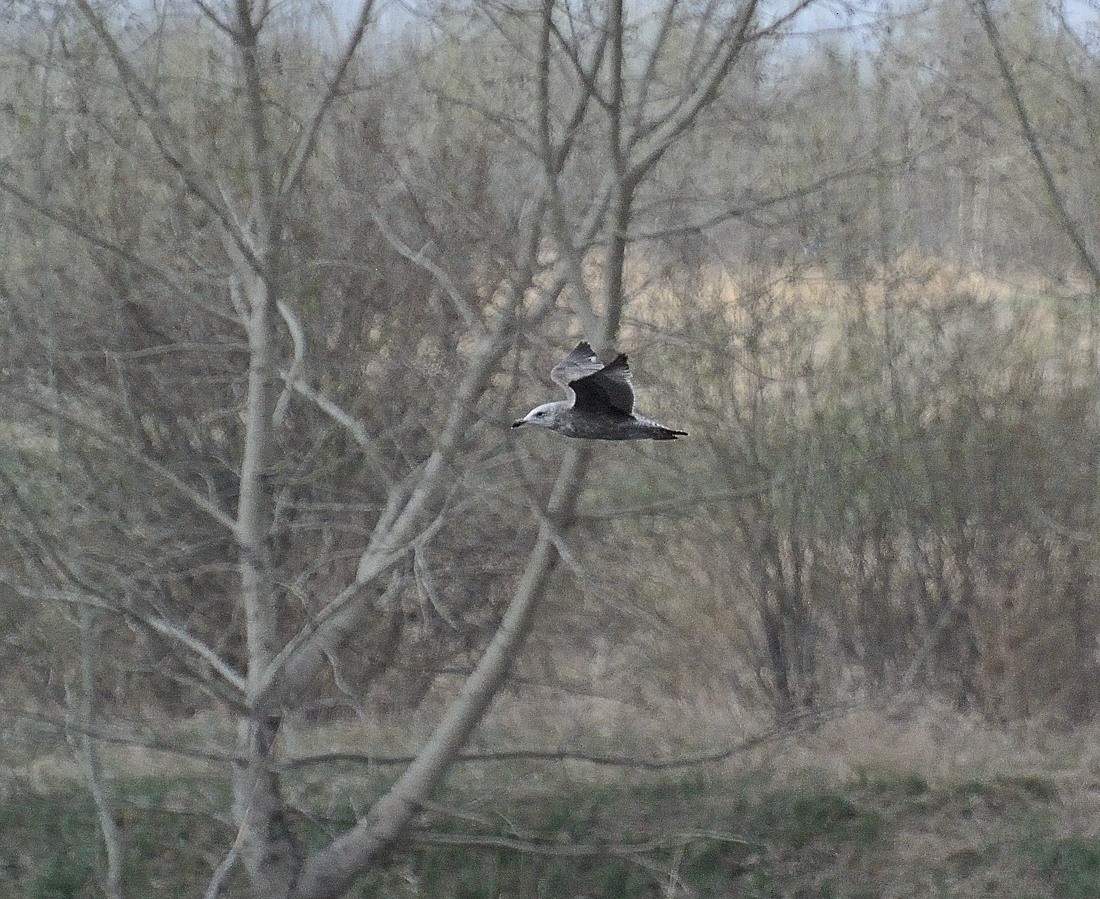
578	364
607	391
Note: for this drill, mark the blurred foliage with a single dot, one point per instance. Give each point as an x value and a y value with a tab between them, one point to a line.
843	282
925	470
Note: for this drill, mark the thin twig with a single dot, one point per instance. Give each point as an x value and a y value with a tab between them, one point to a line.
308	138
98	597
567	850
217	880
89	753
420	258
172	746
1035	148
298	341
110	440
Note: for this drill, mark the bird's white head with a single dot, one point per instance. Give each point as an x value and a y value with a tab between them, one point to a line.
545	415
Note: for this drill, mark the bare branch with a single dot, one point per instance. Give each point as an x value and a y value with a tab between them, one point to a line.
89	752
371	452
653	58
298	339
215	19
308	138
337	865
648	144
196	646
98	599
109	440
171	746
85	233
553	160
587	74
1054	194
168	139
418	257
746	210
221	873
304	653
798	722
567	850
266	209
107	602
426	585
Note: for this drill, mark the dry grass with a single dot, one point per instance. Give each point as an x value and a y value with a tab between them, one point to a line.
911	279
929	802
941	746
929	740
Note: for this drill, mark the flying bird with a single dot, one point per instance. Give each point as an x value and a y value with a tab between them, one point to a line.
600	404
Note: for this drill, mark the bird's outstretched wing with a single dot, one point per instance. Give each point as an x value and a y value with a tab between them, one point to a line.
606	391
597	388
578	364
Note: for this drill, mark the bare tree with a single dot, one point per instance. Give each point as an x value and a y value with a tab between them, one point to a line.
267	579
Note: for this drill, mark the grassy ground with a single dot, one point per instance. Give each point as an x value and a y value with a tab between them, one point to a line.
751	835
925	802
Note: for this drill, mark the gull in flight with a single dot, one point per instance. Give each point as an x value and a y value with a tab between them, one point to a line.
600	404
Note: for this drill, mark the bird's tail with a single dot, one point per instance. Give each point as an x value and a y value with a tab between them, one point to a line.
662	433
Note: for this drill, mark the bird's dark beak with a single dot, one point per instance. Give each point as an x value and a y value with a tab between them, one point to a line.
518	422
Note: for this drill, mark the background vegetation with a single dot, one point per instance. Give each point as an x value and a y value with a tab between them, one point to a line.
267	310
